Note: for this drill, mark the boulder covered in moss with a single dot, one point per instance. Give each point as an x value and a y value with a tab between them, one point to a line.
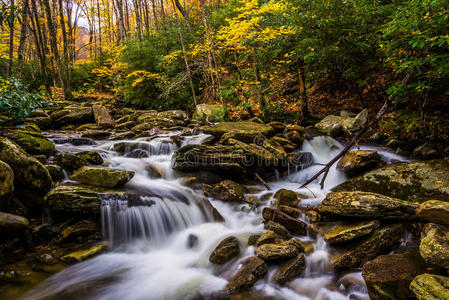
243	130
281	251
290	270
102	116
227	190
381	241
101	176
415	181
434	246
72	115
430	286
32	142
389	276
359	161
209	113
366	205
286	197
6	180
28	171
434	211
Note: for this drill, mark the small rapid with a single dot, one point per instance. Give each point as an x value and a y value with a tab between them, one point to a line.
160	240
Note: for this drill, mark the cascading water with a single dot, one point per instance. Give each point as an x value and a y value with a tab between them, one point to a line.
156	258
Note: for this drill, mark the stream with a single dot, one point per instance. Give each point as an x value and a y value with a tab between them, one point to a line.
160	245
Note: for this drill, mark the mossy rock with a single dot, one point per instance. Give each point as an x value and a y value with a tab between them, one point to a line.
344	233
84	254
430	286
389	276
101	176
28	171
434	211
244	129
32	142
290	270
209	113
367	205
92	157
56	172
286	197
225	251
6	180
359	161
381	241
72	115
415	181
282	251
434	246
253	268
227	190
70	161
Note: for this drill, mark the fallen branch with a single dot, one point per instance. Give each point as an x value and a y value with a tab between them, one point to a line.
262	181
353	141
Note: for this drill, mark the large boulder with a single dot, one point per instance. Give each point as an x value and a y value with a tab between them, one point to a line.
359	161
83	200
10	222
335	125
102	116
284	250
243	131
33	143
209	113
253	268
434	246
381	241
430	286
389	276
227	190
225	251
28	171
6	180
366	205
415	181
75	161
290	270
101	176
293	225
434	211
344	233
72	115
151	119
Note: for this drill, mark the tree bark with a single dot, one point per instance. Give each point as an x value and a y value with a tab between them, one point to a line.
23	35
11	40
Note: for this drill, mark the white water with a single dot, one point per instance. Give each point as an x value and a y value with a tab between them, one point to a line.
152	257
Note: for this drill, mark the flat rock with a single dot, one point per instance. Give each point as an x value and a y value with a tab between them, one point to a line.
227	190
430	286
389	276
344	233
434	211
102	176
209	113
81	255
434	246
284	250
366	205
10	222
290	270
381	241
415	181
243	131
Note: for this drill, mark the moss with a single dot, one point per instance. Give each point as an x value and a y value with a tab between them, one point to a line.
430	286
344	233
286	197
103	177
83	254
32	142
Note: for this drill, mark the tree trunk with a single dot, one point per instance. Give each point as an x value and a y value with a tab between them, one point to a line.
65	62
23	34
302	90
11	40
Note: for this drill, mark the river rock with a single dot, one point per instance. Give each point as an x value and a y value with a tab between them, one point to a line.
56	172
434	211
334	125
72	115
84	254
389	276
425	151
415	181
91	157
287	249
83	200
71	233
290	270
266	238
28	171
102	116
359	161
286	197
366	205
293	225
10	222
227	190
152	119
295	137
434	246
278	229
277	126
253	268
381	241
209	113
243	131
97	134
430	286
101	176
40	118
33	143
6	180
70	161
225	251
344	233
286	144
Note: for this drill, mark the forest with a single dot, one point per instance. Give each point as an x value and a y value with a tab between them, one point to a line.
225	149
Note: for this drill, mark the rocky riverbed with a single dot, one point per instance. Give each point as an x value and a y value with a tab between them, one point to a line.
106	203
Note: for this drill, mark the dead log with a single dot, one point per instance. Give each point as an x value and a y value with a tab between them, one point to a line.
353	141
